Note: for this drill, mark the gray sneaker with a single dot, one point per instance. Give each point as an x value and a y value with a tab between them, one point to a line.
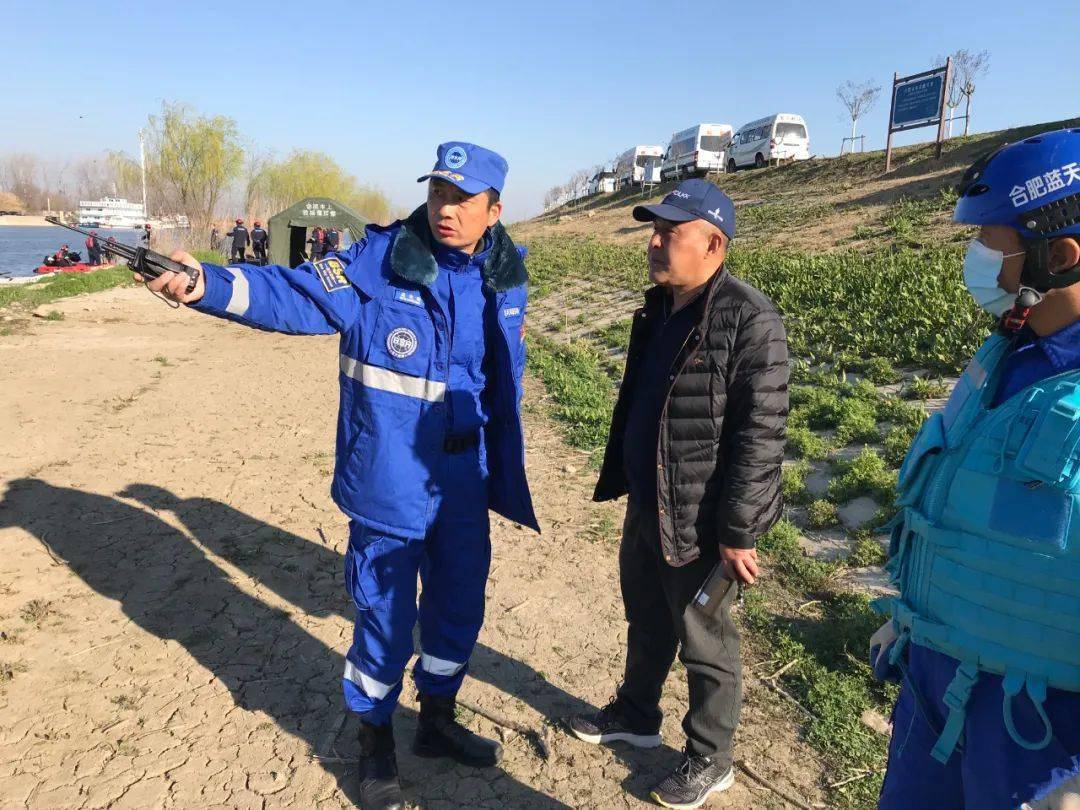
610	725
690	784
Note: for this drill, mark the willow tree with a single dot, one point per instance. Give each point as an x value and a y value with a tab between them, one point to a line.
276	185
191	160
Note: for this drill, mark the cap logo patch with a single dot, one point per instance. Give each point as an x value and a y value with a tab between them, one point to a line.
455	157
682	194
715	214
401	342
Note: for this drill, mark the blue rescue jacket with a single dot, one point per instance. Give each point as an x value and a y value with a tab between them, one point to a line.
986	548
394	362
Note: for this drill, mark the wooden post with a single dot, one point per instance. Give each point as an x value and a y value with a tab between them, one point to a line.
941	110
892	110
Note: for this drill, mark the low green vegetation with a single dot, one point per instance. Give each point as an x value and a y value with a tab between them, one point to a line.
906	217
895	308
63	285
770	217
805	443
925	388
582	393
793	481
822	514
866	474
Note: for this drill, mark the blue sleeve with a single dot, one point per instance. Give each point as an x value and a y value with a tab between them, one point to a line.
308	300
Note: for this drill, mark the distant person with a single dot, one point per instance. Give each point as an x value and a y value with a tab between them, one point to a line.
93	249
240	241
260	241
144	237
62	258
318	244
109	255
332	238
697	443
215	239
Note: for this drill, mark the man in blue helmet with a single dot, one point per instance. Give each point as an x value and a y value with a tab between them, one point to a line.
985	633
431	316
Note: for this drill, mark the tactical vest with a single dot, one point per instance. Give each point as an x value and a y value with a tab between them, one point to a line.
985	550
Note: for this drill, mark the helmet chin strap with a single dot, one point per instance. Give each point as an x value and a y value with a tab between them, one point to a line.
1036	280
1015	319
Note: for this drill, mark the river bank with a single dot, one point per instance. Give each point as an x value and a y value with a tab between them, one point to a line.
23	221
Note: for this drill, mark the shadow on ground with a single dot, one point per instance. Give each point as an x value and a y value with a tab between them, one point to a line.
169	587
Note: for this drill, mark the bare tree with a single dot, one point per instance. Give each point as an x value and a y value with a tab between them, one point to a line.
967	66
857	100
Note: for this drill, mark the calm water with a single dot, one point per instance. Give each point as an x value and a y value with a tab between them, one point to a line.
22	248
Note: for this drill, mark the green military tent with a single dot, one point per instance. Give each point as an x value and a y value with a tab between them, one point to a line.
289	228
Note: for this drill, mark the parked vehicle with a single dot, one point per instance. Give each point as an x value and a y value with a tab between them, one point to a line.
650	172
630	167
779	137
697	151
602	182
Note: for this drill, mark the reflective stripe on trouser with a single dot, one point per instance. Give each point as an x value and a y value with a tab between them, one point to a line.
381	575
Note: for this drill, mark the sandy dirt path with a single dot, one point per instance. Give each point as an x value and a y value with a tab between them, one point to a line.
172	609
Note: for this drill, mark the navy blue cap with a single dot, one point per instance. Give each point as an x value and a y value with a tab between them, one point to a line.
693	199
470	167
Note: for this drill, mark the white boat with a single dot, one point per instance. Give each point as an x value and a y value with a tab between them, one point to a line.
111	212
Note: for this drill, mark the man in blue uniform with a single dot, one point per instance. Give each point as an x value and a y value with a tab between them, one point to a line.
985	633
431	316
240	241
260	241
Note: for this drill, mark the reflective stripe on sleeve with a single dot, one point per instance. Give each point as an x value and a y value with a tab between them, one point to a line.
439	666
386	379
374	689
239	299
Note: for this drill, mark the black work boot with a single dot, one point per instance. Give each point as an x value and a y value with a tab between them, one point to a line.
379	788
439	734
690	784
611	724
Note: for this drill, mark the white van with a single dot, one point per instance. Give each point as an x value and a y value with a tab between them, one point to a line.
602	182
697	151
779	137
630	167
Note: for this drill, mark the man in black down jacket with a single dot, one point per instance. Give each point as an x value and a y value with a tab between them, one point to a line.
697	441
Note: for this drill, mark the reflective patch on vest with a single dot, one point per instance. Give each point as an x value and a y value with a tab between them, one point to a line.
976	373
409	297
331	273
510	312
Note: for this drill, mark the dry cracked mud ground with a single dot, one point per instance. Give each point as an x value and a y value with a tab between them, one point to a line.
172	609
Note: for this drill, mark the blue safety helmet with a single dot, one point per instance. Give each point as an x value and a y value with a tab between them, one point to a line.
1032	185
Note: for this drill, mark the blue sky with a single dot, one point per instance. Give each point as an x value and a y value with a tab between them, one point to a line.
553	86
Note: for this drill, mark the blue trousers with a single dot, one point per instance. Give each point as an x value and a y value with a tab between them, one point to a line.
991	771
452	562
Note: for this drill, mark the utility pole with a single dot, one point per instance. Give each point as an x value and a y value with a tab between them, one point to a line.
142	166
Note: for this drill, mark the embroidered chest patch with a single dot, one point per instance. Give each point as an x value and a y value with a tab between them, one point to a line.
401	342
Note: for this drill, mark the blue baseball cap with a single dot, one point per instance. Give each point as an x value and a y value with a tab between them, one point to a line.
470	167
693	199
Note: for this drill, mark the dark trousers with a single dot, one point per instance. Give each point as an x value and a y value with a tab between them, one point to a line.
238	253
260	252
662	620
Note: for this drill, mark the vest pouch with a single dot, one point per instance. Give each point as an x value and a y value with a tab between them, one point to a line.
920	462
1051	450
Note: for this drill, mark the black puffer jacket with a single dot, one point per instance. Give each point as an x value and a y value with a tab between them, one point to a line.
722	429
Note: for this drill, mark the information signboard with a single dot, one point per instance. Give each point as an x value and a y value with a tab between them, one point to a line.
918	101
